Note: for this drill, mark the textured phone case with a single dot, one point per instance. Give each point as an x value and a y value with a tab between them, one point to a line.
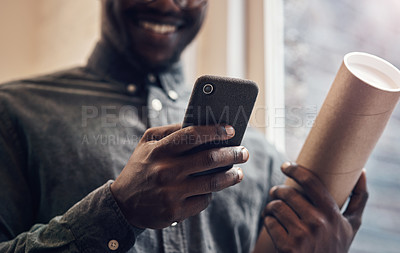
230	102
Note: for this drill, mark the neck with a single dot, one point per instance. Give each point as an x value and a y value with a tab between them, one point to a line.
108	62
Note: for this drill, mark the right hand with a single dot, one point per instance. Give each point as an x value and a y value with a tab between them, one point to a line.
156	188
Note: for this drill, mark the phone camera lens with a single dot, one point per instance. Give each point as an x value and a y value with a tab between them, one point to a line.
208	89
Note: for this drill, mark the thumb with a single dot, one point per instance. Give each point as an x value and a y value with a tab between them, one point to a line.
358	200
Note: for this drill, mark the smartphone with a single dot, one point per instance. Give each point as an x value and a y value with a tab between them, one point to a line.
221	100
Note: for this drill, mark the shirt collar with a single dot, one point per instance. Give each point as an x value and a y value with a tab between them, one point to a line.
107	63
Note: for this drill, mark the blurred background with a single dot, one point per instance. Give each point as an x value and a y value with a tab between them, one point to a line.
317	36
291	48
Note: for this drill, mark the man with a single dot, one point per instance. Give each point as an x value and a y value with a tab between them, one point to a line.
66	136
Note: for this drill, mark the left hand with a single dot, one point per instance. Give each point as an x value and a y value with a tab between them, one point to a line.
312	222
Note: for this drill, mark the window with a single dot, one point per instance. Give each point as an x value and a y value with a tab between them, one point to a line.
317	36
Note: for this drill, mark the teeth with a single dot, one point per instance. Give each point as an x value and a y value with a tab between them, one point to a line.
158	28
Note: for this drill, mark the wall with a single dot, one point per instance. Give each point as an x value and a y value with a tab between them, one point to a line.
43	35
16	31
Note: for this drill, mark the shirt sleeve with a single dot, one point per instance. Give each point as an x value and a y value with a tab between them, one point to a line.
94	224
98	225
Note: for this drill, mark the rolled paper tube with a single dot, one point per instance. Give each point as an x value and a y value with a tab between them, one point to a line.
351	120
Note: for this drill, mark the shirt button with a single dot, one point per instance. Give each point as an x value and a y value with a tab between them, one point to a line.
156	104
131	88
173	95
113	245
151	78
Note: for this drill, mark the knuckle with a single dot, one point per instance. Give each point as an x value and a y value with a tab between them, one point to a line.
219	131
321	222
183	137
318	224
284	193
214	184
291	168
211	159
270	223
148	135
300	235
168	131
231	176
152	155
275	206
160	179
163	175
205	201
155	151
191	131
308	180
236	155
196	205
332	217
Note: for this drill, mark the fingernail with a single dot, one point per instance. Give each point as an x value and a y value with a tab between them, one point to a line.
240	174
286	165
271	191
230	131
245	154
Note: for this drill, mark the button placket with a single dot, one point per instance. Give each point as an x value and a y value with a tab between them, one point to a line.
174	239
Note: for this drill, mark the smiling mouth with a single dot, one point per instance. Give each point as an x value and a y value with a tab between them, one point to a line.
158	28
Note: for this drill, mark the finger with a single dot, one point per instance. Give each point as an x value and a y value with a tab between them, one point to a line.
294	199
283	214
275	230
213	182
213	158
306	212
313	188
157	133
358	201
190	137
195	204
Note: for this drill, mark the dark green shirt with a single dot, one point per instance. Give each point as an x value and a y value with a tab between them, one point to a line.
64	137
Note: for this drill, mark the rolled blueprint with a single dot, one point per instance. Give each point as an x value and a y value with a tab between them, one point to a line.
351	120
